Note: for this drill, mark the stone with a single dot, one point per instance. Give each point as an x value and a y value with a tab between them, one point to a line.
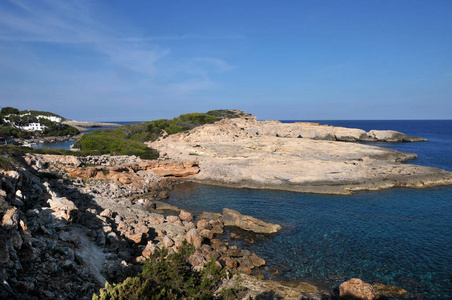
355	288
107	213
234	218
257	261
197	261
172	219
230	263
203	224
149	250
10	219
163	195
64	209
141	228
168	242
206	233
136	238
185	215
193	237
189	225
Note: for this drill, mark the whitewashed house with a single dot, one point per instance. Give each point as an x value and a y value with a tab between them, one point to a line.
33	127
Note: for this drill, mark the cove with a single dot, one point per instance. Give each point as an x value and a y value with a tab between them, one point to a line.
400	237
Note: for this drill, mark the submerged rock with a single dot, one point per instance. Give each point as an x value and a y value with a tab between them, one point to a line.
234	218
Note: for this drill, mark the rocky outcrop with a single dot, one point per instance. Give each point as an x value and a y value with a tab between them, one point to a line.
249	127
234	218
84	126
302	157
65	239
254	288
135	173
355	288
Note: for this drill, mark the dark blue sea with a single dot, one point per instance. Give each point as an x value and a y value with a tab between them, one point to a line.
399	237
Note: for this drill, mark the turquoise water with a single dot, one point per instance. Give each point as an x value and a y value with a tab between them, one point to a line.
400	236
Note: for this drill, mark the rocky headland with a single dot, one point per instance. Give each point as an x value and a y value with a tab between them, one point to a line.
83	126
302	157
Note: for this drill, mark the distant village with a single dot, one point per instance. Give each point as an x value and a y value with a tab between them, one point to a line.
27	124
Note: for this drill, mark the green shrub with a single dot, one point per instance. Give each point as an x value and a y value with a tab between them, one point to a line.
166	276
104	142
8	110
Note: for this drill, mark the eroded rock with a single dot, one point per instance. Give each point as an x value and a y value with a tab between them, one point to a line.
234	218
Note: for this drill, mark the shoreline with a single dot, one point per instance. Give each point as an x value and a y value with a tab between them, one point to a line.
340	189
83	126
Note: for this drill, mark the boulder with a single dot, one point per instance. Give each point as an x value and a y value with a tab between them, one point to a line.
203	224
185	215
63	208
150	249
234	218
257	261
10	219
392	136
355	288
194	238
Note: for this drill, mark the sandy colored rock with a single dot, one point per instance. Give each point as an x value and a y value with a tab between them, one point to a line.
234	218
185	216
303	157
355	288
269	289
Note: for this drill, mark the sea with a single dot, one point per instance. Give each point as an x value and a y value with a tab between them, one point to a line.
399	236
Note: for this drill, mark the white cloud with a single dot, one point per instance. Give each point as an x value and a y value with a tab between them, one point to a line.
52	50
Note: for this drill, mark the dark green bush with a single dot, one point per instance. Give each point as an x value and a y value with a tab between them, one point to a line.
167	277
8	110
105	142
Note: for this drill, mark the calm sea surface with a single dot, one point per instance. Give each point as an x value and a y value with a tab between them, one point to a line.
401	237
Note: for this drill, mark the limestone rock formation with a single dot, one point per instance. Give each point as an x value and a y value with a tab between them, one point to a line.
234	218
303	157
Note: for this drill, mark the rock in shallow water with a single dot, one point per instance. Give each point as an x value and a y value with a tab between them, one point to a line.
234	218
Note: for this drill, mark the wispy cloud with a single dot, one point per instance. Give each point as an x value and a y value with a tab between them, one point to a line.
62	48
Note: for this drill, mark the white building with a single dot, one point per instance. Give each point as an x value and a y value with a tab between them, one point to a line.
33	127
51	118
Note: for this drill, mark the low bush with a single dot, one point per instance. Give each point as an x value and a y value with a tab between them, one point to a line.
166	276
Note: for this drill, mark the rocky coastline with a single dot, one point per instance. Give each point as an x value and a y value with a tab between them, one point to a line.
69	224
301	157
83	126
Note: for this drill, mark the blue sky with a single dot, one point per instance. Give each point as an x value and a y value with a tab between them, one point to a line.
307	60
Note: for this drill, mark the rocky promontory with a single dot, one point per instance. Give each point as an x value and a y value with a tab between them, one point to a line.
303	157
83	126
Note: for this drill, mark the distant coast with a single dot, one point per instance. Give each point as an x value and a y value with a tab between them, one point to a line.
83	126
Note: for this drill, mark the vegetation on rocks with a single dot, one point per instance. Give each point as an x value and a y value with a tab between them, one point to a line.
168	277
128	139
22	118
